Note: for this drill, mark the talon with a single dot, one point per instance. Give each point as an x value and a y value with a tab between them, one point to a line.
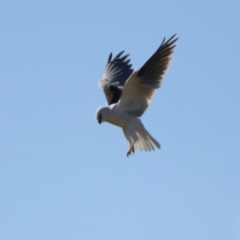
131	150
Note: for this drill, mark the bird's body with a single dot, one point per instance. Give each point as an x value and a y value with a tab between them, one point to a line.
132	127
129	93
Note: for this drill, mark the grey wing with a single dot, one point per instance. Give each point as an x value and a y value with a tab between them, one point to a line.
116	73
139	88
151	73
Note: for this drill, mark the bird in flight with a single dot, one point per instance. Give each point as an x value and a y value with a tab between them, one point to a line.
129	93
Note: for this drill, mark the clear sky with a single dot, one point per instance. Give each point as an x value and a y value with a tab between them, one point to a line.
64	176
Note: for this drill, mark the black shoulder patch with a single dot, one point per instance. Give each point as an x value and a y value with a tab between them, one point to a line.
141	72
113	94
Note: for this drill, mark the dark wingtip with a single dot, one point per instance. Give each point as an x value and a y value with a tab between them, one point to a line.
167	46
109	58
170	41
119	54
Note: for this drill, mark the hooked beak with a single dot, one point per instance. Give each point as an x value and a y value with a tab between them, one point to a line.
100	119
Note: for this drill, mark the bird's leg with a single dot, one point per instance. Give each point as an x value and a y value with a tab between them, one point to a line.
130	150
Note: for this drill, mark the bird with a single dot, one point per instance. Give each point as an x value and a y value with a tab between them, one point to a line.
129	93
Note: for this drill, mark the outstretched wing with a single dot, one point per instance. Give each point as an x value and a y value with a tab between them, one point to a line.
139	88
116	73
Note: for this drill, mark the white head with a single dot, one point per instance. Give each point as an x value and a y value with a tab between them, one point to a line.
101	114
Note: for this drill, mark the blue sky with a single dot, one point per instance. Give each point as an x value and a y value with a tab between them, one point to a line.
64	176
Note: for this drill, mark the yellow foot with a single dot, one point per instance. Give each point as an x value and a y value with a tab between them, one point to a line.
130	150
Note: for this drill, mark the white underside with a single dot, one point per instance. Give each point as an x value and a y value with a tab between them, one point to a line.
132	126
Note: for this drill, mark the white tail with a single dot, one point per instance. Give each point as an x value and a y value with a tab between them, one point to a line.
145	141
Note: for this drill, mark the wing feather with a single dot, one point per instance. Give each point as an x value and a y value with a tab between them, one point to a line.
116	73
139	88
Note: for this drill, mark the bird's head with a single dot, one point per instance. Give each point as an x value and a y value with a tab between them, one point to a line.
101	114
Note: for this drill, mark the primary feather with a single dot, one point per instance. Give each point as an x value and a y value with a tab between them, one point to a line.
116	73
139	88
